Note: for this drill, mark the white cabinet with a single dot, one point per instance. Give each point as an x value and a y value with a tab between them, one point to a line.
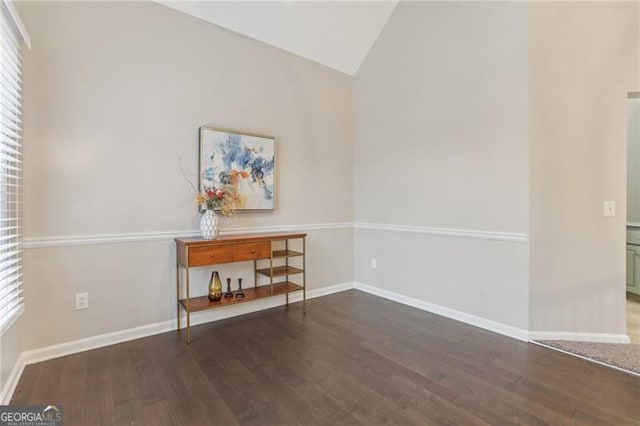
633	269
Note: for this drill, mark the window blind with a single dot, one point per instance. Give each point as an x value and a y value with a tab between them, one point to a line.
11	300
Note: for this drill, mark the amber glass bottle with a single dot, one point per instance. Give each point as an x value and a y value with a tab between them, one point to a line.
215	287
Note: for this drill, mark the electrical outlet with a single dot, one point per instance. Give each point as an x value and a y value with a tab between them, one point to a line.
374	263
82	301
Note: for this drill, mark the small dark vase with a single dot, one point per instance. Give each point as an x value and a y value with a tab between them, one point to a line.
239	293
228	293
215	287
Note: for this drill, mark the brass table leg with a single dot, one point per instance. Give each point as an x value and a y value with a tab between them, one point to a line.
188	311
255	274
304	275
178	291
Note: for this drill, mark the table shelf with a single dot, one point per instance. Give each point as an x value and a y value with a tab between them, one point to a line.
203	303
197	252
280	271
279	254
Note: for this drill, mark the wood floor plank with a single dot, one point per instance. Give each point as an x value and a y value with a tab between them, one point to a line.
352	359
551	378
28	382
190	396
98	392
236	382
47	388
72	389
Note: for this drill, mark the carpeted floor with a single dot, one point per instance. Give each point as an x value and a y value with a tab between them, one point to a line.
625	356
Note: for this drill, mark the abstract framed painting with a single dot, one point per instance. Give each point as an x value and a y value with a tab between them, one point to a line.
245	161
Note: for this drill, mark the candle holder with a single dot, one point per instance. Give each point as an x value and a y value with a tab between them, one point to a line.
228	293
239	293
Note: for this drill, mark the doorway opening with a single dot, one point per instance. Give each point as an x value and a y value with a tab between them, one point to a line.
633	217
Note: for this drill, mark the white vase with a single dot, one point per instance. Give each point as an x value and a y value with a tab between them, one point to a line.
209	225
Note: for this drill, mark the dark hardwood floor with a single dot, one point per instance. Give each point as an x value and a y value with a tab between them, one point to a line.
353	359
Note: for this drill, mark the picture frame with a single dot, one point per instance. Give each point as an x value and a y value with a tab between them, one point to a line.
246	161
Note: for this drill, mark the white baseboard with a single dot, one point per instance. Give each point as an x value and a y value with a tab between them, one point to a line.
94	342
579	337
496	327
12	381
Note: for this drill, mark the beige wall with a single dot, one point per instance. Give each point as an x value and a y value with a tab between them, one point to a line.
441	118
442	142
448	104
114	111
499	117
633	161
584	60
114	95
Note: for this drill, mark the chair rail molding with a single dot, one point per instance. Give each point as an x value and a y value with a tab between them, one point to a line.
132	237
446	232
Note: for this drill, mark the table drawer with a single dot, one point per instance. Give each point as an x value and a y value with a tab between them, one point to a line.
252	251
210	255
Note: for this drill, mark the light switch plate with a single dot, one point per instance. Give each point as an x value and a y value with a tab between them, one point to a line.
609	208
373	263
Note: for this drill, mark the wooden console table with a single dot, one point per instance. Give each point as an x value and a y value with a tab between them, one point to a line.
274	248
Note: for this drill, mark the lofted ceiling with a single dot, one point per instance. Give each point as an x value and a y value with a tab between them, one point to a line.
338	34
